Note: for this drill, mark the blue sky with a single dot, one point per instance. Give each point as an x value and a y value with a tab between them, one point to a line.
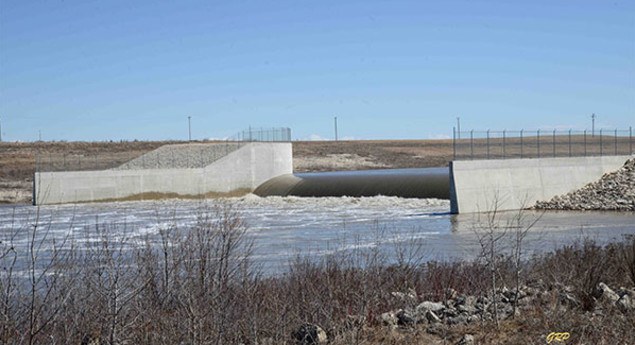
111	70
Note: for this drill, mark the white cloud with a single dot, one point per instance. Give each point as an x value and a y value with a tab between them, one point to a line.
348	138
315	137
439	136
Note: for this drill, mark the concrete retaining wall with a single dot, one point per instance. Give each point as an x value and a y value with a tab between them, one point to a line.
485	185
240	171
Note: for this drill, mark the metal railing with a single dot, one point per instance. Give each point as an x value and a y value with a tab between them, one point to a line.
541	143
282	134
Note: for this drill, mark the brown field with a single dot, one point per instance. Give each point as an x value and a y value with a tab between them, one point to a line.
18	161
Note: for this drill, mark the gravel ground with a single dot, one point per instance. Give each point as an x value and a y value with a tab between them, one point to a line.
181	156
614	191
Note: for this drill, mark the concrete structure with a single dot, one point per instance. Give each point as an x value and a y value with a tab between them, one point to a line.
485	185
239	172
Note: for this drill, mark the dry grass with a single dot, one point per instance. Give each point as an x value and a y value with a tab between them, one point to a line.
395	154
198	285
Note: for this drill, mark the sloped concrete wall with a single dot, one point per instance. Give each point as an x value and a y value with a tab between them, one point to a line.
240	171
487	185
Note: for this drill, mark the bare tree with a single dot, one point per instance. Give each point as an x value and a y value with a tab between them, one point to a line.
520	225
490	235
113	279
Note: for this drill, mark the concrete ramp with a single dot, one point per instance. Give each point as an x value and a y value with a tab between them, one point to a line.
238	172
487	185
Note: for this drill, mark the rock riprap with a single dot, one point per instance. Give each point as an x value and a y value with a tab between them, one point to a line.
180	156
469	309
614	191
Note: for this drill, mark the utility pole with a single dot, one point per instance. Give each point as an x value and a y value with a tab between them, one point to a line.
593	125
336	128
458	127
189	126
40	131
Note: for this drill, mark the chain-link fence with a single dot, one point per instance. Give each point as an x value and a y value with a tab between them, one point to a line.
176	156
263	134
541	143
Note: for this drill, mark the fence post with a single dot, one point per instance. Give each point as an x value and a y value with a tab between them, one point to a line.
585	143
569	142
504	148
472	144
488	144
454	143
616	141
630	140
554	142
50	162
600	142
37	162
521	143
538	142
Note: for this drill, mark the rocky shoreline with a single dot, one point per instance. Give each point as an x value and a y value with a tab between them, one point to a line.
457	310
613	192
460	309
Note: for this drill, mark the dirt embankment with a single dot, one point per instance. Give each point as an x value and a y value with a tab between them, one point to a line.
18	160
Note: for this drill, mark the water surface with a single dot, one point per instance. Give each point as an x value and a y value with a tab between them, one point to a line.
284	227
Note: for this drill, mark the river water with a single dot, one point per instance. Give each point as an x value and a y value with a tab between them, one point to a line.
284	227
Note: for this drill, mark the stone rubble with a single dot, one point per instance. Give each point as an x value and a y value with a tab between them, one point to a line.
181	156
309	333
613	192
465	310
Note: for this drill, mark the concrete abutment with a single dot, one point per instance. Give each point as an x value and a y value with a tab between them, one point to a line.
240	171
512	184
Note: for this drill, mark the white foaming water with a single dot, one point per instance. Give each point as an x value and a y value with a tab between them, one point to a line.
283	227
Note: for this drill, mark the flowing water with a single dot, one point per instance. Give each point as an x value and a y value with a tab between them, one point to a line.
284	227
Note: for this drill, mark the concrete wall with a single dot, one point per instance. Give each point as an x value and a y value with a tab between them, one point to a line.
241	170
484	185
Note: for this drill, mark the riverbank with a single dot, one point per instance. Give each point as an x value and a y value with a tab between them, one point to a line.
171	291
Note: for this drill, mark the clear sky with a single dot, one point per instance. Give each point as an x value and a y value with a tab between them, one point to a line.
113	69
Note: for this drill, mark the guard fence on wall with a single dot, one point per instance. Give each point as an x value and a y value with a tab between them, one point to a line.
282	134
541	143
